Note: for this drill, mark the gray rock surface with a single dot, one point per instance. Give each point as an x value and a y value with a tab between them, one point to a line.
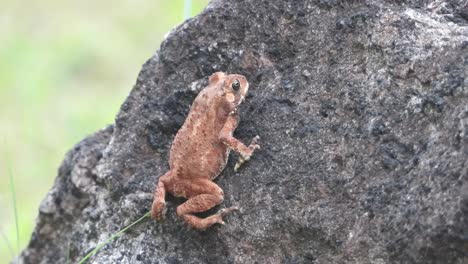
362	110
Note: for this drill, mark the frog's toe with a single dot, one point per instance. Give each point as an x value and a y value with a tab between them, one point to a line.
158	211
226	211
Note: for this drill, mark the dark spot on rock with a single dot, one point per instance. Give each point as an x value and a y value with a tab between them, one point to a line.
305	128
378	128
433	105
327	109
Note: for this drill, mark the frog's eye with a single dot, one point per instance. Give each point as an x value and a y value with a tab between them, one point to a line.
236	85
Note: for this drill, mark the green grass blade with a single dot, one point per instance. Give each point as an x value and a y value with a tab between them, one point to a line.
13	198
114	236
7	242
68	252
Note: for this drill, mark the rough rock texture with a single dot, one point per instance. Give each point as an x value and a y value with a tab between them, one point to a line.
362	109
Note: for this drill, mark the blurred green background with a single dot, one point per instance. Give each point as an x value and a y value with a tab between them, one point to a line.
65	68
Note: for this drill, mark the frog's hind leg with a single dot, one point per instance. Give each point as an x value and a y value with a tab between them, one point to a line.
202	195
158	208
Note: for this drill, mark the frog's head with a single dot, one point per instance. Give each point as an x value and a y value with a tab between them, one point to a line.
233	87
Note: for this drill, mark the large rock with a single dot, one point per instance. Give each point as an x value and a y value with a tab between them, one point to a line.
362	110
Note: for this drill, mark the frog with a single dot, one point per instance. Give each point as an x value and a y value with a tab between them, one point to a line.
200	151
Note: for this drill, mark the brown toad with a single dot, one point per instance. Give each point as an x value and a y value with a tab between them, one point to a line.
200	151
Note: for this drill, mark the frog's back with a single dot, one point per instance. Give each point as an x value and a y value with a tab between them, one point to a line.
196	151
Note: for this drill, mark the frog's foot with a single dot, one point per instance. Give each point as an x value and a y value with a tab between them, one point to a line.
246	156
158	209
223	212
203	223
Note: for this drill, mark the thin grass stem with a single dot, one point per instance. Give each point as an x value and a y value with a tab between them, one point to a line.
114	236
68	252
7	242
15	208
13	198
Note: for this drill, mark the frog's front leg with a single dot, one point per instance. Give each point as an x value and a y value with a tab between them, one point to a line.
233	143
